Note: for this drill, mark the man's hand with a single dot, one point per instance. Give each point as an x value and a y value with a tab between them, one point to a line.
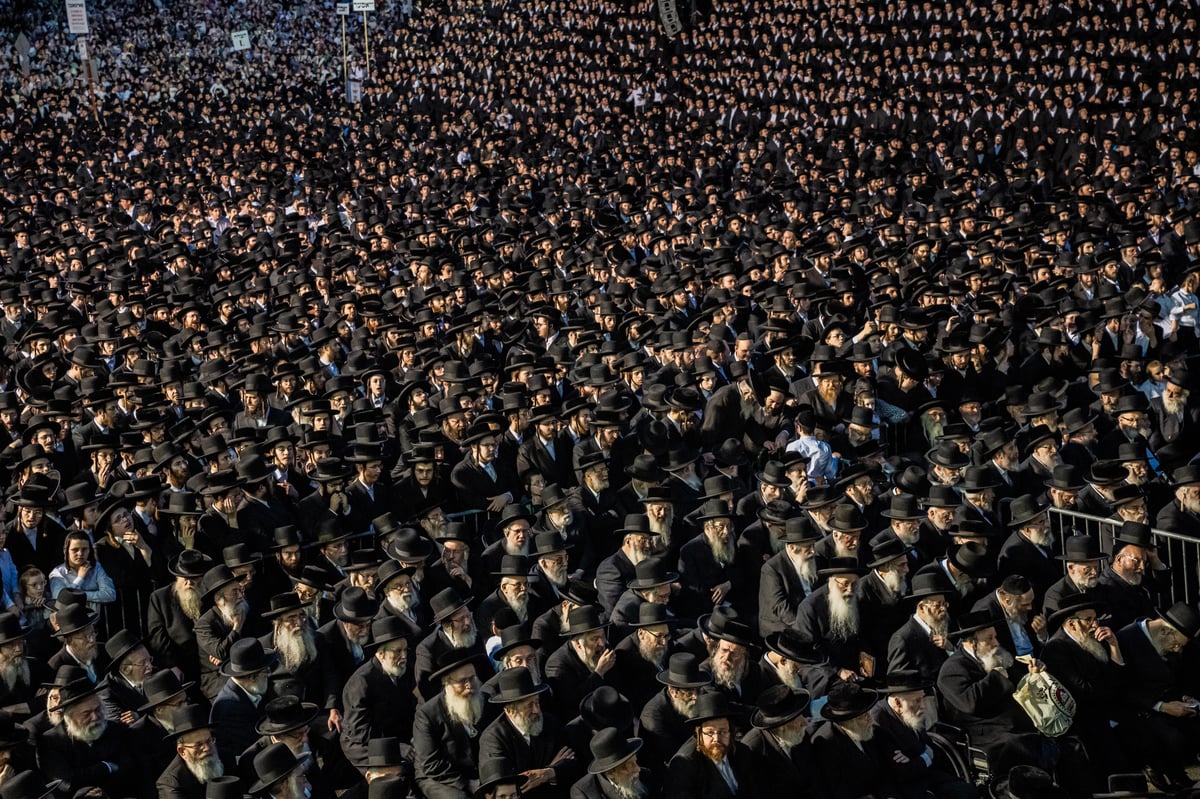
899	757
1038	623
128	717
338	502
1178	709
721	591
564	754
497	503
214	661
535	778
459	573
848	676
1036	666
607	660
335	720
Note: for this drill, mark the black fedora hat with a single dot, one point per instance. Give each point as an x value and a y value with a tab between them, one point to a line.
789	644
1026	508
838	566
247	656
513	636
188	718
409	546
653	614
970	557
606	707
10	629
389	571
445	603
847	519
226	787
386	629
1081	549
1134	534
777	706
190	563
979	478
515	684
903	507
725	624
512	566
493	773
650	573
215	579
800	530
582	620
941	496
281	604
1183	618
162	686
714	705
886	547
683	671
848	700
453	659
931	583
905	681
120	644
1074	603
272	765
975	621
72	619
284	714
236	555
354	606
610	748
1065	477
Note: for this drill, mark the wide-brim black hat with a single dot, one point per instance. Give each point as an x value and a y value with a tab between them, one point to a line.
714	705
284	714
610	748
847	701
779	705
73	619
514	685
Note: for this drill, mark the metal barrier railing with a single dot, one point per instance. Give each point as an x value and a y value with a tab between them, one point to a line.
1180	552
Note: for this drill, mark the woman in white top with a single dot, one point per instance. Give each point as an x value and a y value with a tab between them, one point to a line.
81	572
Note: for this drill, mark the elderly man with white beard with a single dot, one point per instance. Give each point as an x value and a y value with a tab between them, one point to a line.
20	676
196	761
288	720
729	642
1129	584
512	592
398	597
1084	562
550	571
829	617
582	665
976	687
454	628
614	572
881	593
378	698
87	750
235	709
922	643
706	563
1024	631
173	612
525	739
294	638
164	695
903	718
343	640
516	538
1031	547
446	730
1086	658
788	577
792	662
77	630
128	666
643	653
614	772
779	744
220	626
653	584
1182	514
562	516
664	719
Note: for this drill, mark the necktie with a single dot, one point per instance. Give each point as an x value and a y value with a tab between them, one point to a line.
727	774
491	471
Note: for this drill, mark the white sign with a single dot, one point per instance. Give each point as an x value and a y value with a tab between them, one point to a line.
670	18
343	9
241	40
354	90
23	53
364	5
77	17
83	51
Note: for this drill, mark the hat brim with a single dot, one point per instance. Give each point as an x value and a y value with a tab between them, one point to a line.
264	727
502	699
764	722
92	616
267	662
632	747
183	689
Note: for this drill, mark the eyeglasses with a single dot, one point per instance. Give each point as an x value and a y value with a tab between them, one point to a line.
206	743
714	735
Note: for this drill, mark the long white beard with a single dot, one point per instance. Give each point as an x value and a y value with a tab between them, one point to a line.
858	730
87	733
721	549
1000	659
1042	538
207	769
401	603
663	528
1172	405
509	549
530	728
806	568
189	601
894	582
519	605
297	648
843	616
232	613
628	789
462	640
14	673
1086	582
464	710
636	556
1092	647
788	738
394	671
729	677
555	573
684	707
938	627
842	551
918	721
789	676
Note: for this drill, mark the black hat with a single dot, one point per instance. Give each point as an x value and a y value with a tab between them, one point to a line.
226	787
1134	534
1065	477
979	478
931	583
724	624
190	563
511	637
162	686
72	619
948	454
272	765
903	506
354	606
453	659
582	620
838	566
188	718
788	643
652	614
800	530
384	753
886	547
445	603
1025	508
905	681
941	496
848	700
970	557
975	621
714	509
10	629
1072	604
779	705
511	513
1128	786
514	685
283	603
606	707
847	518
578	592
284	714
389	571
650	573
713	705
409	546
610	748
493	773
118	646
388	628
512	566
1183	618
1081	549
236	555
683	671
215	579
247	656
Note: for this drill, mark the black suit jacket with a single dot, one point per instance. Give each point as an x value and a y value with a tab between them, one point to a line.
337	651
979	701
214	638
432	647
233	717
699	572
812	622
992	605
612	577
691	775
1096	686
81	765
911	648
176	782
570	680
593	786
172	637
375	706
446	755
846	772
663	730
779	772
1150	678
1020	556
502	745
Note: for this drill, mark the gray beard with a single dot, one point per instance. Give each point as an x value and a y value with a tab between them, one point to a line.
843	616
1042	538
651	653
860	734
509	549
232	615
939	627
1000	659
15	673
395	672
730	678
465	711
721	549
1173	406
1086	583
556	574
206	770
88	734
1092	647
527	727
628	790
663	528
461	640
189	601
842	551
806	570
788	677
894	583
296	649
406	603
683	708
519	606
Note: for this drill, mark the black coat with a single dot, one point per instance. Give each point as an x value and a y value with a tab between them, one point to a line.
779	772
336	650
700	572
176	782
780	593
81	765
375	706
1097	686
812	622
502	745
920	775
571	680
447	756
429	650
233	717
1020	556
321	683
911	648
214	639
594	786
979	701
691	775
1149	678
612	577
171	635
845	771
881	614
1125	603
991	604
663	731
120	697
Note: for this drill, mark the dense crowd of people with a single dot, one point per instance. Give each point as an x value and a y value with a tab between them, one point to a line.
791	406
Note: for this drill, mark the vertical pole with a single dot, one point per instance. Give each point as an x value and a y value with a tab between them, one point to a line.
366	46
345	56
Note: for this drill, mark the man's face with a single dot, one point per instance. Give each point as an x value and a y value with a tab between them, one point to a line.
1018	607
713	739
